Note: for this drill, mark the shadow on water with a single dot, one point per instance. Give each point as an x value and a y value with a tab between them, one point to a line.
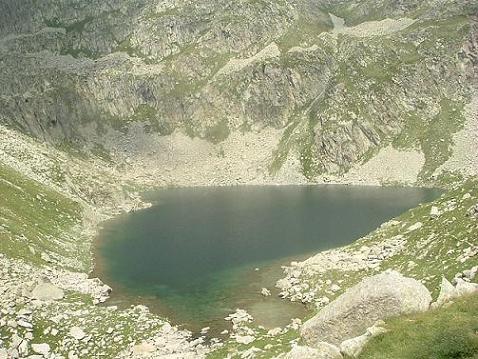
200	253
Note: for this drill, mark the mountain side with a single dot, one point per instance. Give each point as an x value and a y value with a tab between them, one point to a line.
147	82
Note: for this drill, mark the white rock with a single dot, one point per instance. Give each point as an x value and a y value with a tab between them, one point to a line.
47	291
265	292
415	226
77	333
464	288
447	293
471	273
275	331
143	348
353	347
335	288
43	349
244	339
434	212
24	324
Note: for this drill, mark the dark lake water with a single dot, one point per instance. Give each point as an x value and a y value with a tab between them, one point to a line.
200	253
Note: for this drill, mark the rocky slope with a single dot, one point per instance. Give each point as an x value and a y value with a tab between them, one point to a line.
102	99
135	81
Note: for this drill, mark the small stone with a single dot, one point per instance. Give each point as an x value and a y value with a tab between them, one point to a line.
265	292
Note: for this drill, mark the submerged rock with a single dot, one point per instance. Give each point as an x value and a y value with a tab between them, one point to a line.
374	298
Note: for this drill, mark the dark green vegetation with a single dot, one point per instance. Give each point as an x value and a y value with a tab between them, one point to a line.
446	333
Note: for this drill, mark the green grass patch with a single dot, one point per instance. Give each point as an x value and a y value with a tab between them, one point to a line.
447	333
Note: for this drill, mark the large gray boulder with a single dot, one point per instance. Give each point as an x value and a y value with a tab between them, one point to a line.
374	298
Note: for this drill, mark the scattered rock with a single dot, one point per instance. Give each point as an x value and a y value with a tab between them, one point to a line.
377	297
265	292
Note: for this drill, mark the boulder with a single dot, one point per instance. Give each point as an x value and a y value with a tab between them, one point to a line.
77	333
322	351
143	348
464	288
353	347
374	298
447	293
43	349
47	291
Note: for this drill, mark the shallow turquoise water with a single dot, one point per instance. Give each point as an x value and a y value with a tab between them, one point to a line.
200	253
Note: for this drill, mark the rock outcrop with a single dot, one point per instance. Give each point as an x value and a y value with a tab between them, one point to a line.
375	298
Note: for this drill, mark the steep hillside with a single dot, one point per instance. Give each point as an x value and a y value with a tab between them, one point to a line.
152	82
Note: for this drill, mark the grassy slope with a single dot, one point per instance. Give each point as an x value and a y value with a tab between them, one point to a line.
447	333
36	221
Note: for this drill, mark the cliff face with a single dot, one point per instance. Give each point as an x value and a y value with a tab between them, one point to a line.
334	89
